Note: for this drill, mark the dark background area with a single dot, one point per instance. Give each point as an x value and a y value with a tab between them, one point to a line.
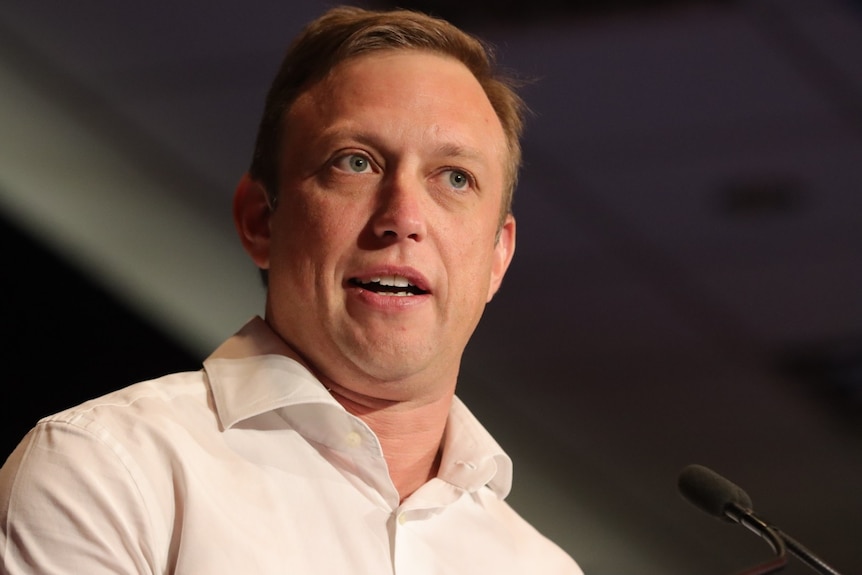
67	339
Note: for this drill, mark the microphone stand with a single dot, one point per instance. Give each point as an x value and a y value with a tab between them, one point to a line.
806	556
778	540
747	519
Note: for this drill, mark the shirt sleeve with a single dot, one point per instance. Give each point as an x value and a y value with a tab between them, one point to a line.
69	504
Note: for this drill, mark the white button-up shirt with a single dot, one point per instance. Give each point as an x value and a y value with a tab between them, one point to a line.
251	467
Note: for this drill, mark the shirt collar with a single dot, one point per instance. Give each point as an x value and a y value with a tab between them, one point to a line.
253	373
471	457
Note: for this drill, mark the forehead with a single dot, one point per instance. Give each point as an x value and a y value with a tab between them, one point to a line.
387	87
389	67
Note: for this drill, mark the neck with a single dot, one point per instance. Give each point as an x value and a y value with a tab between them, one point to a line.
410	435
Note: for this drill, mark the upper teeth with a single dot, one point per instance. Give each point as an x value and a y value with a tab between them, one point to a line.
393	281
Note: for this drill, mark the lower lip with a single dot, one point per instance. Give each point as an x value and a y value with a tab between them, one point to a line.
388	302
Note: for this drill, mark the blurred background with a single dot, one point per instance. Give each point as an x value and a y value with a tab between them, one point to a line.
687	286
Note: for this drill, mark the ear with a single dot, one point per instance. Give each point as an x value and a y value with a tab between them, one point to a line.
251	215
504	250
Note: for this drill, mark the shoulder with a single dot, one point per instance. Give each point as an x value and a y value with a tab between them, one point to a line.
180	398
156	394
103	469
121	434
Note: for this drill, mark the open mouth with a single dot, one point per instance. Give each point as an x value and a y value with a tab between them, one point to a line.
388	285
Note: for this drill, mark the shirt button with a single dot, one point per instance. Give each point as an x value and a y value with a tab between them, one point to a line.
402	518
353	439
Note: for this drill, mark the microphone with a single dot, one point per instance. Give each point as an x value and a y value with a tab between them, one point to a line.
713	494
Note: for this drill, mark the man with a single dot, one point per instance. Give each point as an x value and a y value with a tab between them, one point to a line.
325	438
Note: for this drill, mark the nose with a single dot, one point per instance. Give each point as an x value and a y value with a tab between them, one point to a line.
400	212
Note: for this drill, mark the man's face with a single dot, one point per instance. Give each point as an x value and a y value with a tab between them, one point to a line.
384	246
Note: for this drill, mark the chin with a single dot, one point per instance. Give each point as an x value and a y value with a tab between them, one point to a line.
387	367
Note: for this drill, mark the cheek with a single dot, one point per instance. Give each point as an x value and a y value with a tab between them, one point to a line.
304	224
471	260
327	216
310	240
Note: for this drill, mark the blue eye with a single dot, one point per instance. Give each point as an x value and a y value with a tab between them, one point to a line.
458	180
358	163
353	163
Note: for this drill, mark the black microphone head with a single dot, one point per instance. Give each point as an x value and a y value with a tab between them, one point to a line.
710	492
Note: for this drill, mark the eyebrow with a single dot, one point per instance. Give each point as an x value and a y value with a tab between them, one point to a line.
459	151
446	149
